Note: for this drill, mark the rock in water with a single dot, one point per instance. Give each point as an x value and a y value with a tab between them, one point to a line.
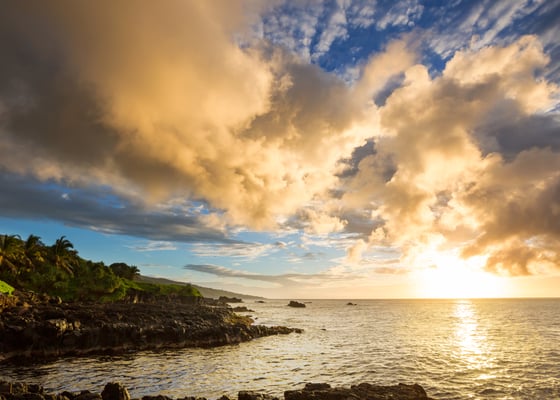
293	303
115	391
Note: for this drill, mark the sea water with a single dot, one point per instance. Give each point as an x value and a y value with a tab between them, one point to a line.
455	349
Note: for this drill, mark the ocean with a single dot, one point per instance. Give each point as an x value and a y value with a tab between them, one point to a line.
455	349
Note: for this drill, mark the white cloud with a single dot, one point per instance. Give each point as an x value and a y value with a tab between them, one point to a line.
154	246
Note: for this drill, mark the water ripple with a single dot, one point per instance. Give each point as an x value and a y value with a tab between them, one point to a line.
480	349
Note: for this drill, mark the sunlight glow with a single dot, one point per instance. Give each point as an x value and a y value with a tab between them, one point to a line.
450	276
470	339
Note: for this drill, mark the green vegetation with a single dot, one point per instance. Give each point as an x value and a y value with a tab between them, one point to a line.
5	288
57	270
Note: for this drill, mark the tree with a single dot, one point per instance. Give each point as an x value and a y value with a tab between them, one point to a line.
10	253
33	250
125	271
64	255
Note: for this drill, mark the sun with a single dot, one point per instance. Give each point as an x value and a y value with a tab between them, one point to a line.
450	276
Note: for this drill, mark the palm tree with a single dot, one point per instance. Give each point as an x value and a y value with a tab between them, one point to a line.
63	254
33	250
10	252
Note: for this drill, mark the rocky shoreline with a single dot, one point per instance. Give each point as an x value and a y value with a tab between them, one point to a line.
34	326
311	391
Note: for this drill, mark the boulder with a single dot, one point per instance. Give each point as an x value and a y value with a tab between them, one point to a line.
250	395
87	395
363	391
115	391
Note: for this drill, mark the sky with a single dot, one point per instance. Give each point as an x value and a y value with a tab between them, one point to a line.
309	149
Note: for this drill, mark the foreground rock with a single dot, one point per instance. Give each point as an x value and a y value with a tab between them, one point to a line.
311	391
36	327
363	391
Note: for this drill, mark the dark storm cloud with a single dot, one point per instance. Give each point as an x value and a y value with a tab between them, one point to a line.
509	132
100	210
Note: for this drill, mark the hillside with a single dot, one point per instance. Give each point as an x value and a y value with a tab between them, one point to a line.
204	291
58	271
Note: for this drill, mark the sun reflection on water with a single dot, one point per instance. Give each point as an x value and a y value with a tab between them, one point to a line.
472	345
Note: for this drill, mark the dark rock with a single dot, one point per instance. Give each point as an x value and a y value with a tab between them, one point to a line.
242	309
87	395
317	386
115	391
225	299
311	391
193	398
45	330
28	396
36	389
351	304
5	387
363	391
250	395
296	304
158	397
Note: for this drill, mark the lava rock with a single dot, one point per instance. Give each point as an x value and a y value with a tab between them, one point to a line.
225	299
250	395
46	330
363	391
115	391
311	391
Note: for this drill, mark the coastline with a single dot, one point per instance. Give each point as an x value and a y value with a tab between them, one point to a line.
40	327
311	391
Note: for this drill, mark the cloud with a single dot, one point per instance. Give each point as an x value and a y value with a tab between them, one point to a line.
401	13
155	246
282	279
460	174
132	127
291	280
145	108
335	29
293	25
248	251
310	28
97	208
